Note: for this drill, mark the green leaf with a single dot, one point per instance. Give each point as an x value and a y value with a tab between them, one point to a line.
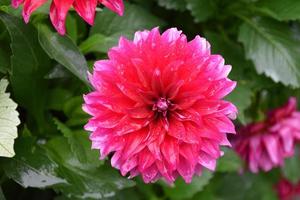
173	4
29	66
79	144
73	109
273	49
242	90
97	43
57	98
202	9
4	60
31	166
233	186
111	26
280	10
2	197
85	180
291	168
9	120
181	190
230	162
64	51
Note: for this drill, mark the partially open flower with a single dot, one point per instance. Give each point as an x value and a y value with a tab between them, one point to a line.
158	108
287	190
59	9
264	145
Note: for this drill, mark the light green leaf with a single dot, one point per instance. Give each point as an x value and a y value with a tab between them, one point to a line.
64	51
279	9
9	120
273	49
181	190
202	9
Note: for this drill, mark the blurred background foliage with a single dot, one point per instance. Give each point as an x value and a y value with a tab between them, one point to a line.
47	75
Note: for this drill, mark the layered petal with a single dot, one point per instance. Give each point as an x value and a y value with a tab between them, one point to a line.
59	9
264	145
160	98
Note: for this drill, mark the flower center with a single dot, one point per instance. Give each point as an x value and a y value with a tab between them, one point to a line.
161	105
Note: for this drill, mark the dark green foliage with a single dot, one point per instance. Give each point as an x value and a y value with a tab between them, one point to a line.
47	75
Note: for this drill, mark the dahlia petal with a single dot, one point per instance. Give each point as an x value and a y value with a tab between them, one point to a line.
140	112
173	68
171	35
30	6
186	169
164	171
141	72
287	140
177	130
173	89
265	162
140	36
134	143
149	174
116	104
116	159
210	148
156	82
206	107
16	3
188	115
199	46
109	146
58	14
272	147
129	125
128	165
156	132
146	159
221	88
86	9
170	151
114	5
189	152
220	123
157	105
207	161
101	134
107	120
154	148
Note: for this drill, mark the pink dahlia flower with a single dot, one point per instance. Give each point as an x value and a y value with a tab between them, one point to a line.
287	190
157	106
265	144
59	9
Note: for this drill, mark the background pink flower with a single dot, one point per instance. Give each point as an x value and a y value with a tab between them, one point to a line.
287	190
157	106
59	9
264	145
